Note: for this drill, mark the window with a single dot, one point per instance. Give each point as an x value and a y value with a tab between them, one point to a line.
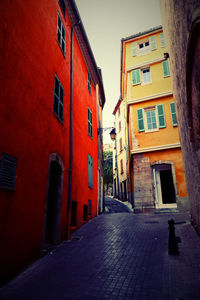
89	83
58	99
89	122
120	144
173	114
90	208
8	165
62	5
146	76
121	165
136	77
61	34
151	118
120	126
162	40
144	47
151	122
90	171
165	66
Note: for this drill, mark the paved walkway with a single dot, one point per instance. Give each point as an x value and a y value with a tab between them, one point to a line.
116	256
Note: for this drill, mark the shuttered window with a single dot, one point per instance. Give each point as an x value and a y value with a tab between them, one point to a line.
151	119
136	77
134	49
58	99
153	42
61	34
8	165
161	116
121	165
90	171
89	83
90	122
162	40
165	66
173	114
140	120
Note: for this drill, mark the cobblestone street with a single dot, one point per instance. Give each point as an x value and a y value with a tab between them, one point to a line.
116	256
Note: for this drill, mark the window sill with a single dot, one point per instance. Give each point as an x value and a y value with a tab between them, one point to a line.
152	130
145	83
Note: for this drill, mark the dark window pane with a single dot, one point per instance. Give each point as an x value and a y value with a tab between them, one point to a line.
61	94
55	106
141	46
61	112
59	22
63	32
56	87
59	37
147	44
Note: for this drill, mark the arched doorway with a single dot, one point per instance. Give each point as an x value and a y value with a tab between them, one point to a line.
164	183
52	228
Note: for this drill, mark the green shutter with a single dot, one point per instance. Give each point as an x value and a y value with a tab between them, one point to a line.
161	116
173	114
165	68
134	49
136	76
153	42
162	40
140	119
90	171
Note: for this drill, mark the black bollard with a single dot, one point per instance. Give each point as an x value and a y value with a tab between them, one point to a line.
172	243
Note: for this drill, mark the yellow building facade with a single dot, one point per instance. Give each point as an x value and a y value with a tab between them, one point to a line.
155	166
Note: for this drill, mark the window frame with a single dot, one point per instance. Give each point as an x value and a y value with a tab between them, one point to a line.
142	71
146	109
89	83
60	31
90	128
60	103
121	166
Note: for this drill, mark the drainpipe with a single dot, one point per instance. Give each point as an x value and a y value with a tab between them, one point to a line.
70	135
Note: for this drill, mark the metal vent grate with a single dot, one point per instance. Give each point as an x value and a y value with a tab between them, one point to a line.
8	166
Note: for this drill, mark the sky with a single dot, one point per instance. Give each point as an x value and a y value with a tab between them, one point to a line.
106	22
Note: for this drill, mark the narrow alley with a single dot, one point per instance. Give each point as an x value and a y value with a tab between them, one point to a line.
116	256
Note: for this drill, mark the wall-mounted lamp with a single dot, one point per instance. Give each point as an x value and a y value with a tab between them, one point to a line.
166	55
112	132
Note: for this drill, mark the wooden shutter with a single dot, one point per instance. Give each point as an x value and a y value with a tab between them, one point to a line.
161	116
162	40
136	76
140	119
153	42
165	68
8	165
90	171
134	49
173	114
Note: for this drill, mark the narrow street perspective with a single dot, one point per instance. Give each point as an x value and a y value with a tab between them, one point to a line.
116	256
100	150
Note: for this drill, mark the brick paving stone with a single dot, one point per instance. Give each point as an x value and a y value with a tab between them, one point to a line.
119	256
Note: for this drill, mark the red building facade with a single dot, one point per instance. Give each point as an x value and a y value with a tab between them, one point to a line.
41	132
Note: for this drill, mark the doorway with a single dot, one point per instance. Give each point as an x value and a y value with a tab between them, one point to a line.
164	188
52	229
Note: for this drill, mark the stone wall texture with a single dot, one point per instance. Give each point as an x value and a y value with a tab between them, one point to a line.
180	18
